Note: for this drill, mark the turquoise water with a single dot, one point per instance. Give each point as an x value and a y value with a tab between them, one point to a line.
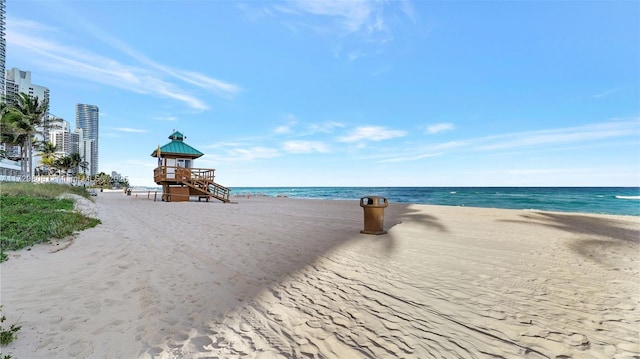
603	200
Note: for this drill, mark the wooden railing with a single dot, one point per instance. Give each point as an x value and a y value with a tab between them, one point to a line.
179	174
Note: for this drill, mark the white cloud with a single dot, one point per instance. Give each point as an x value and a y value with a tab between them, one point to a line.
305	147
163	118
282	129
561	139
145	76
130	130
292	120
591	132
352	14
448	145
440	127
238	143
371	133
253	153
92	67
324	127
408	9
254	13
410	158
306	129
366	22
286	128
356	28
224	89
354	55
17	23
605	93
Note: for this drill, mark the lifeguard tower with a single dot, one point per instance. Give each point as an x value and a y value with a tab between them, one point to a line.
179	179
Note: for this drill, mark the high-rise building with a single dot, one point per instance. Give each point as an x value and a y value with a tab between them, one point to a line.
87	120
18	81
61	136
3	48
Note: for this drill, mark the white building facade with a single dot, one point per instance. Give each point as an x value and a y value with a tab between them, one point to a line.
3	46
66	141
17	81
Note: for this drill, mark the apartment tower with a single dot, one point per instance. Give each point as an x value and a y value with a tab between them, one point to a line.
87	121
17	81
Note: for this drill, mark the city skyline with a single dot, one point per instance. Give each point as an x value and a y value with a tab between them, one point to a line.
82	139
351	93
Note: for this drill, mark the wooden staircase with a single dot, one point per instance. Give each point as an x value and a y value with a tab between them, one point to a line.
207	187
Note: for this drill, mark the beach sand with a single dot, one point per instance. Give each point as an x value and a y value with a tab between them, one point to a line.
293	278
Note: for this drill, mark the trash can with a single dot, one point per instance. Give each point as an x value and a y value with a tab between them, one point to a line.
128	191
373	214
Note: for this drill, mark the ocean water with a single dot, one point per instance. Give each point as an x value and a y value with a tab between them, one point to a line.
602	200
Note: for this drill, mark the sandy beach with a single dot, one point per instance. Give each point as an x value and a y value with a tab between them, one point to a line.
291	278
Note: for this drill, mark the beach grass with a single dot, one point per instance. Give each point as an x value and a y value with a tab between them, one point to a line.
33	213
40	190
7	335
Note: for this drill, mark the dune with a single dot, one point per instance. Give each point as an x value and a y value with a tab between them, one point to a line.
293	278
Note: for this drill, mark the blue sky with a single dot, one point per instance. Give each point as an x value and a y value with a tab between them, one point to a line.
349	93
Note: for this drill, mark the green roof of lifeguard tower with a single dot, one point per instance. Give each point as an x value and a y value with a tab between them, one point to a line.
177	147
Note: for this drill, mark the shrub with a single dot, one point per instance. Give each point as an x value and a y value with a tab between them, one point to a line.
7	335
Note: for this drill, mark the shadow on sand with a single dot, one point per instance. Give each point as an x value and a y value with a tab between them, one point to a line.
397	214
229	267
410	213
597	238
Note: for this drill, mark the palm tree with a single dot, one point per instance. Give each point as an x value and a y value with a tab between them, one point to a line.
10	132
103	180
6	134
33	112
76	160
48	153
83	166
64	163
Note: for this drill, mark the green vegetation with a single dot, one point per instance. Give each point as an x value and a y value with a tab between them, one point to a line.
40	190
7	335
31	213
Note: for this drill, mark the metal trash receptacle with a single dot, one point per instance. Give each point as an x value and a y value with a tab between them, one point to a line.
373	207
128	191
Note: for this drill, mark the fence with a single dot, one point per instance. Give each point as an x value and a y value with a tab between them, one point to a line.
157	195
72	181
135	193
